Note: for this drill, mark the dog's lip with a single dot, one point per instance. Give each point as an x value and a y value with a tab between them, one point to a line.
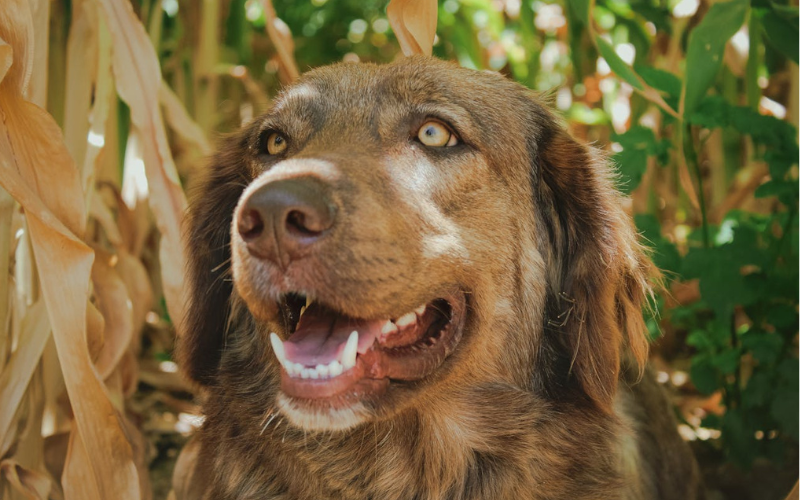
392	357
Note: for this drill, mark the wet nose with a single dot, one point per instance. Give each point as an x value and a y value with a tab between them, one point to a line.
283	220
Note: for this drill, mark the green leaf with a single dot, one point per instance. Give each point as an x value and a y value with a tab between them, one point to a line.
758	391
704	375
727	361
701	340
580	8
712	112
783	316
766	347
786	192
660	80
706	46
739	437
665	254
784	410
617	65
782	34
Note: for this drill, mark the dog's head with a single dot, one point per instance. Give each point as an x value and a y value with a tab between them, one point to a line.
392	231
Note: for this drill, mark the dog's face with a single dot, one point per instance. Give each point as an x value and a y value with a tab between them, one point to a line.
396	231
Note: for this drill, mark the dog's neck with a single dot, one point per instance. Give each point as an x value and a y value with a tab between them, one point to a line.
491	441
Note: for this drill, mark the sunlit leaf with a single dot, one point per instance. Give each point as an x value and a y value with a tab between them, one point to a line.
706	46
33	484
281	37
414	24
617	65
138	79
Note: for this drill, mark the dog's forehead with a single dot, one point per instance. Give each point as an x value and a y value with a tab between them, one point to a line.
352	87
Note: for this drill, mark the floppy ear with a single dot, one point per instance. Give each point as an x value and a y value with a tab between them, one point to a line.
598	272
207	237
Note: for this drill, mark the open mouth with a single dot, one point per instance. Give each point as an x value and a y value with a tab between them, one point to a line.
330	353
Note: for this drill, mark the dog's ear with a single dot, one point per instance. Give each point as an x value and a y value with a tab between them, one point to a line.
207	236
598	272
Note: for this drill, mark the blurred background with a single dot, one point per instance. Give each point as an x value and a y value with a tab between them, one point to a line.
111	107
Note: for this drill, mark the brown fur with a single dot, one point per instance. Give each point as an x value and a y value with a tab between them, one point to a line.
540	399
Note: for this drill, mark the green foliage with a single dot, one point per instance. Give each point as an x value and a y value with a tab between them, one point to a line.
706	46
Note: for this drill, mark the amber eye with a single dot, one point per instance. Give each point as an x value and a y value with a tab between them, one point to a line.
436	135
276	143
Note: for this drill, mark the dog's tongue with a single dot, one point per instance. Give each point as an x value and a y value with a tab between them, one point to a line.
322	334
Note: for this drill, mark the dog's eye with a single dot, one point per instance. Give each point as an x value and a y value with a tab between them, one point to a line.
276	143
436	135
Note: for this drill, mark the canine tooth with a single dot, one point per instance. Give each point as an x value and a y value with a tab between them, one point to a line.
277	346
298	368
350	351
388	327
309	300
335	368
420	310
302	310
406	320
322	370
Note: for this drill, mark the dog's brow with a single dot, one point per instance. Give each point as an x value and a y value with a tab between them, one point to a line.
296	94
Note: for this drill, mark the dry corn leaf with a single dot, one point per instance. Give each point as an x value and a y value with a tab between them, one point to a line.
33	484
76	479
39	173
281	38
82	47
18	372
16	42
102	214
37	88
180	121
111	296
137	281
138	78
414	24
185	483
6	216
102	98
65	264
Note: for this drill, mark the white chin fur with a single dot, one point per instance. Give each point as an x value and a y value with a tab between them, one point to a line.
322	419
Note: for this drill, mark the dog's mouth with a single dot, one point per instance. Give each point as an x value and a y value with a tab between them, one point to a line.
331	354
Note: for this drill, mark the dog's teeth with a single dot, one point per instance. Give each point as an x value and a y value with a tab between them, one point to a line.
388	327
305	373
322	370
335	369
302	310
406	320
277	346
309	300
350	351
420	310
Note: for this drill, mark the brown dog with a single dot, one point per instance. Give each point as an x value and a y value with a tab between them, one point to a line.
435	295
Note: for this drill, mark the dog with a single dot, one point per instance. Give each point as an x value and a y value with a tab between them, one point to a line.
408	281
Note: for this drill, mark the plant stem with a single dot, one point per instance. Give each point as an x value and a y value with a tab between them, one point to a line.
691	159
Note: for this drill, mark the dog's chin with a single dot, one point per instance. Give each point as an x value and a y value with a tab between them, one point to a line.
323	415
339	370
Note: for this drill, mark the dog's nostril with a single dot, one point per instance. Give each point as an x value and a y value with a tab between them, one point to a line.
250	225
308	223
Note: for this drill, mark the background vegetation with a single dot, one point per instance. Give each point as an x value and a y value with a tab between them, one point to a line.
696	102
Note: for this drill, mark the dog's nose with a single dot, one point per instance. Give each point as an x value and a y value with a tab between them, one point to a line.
282	220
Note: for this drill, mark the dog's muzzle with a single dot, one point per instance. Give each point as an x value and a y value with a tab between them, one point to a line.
283	220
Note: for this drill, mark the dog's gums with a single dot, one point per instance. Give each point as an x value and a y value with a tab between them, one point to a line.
330	353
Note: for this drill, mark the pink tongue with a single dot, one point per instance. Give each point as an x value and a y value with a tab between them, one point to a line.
322	334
